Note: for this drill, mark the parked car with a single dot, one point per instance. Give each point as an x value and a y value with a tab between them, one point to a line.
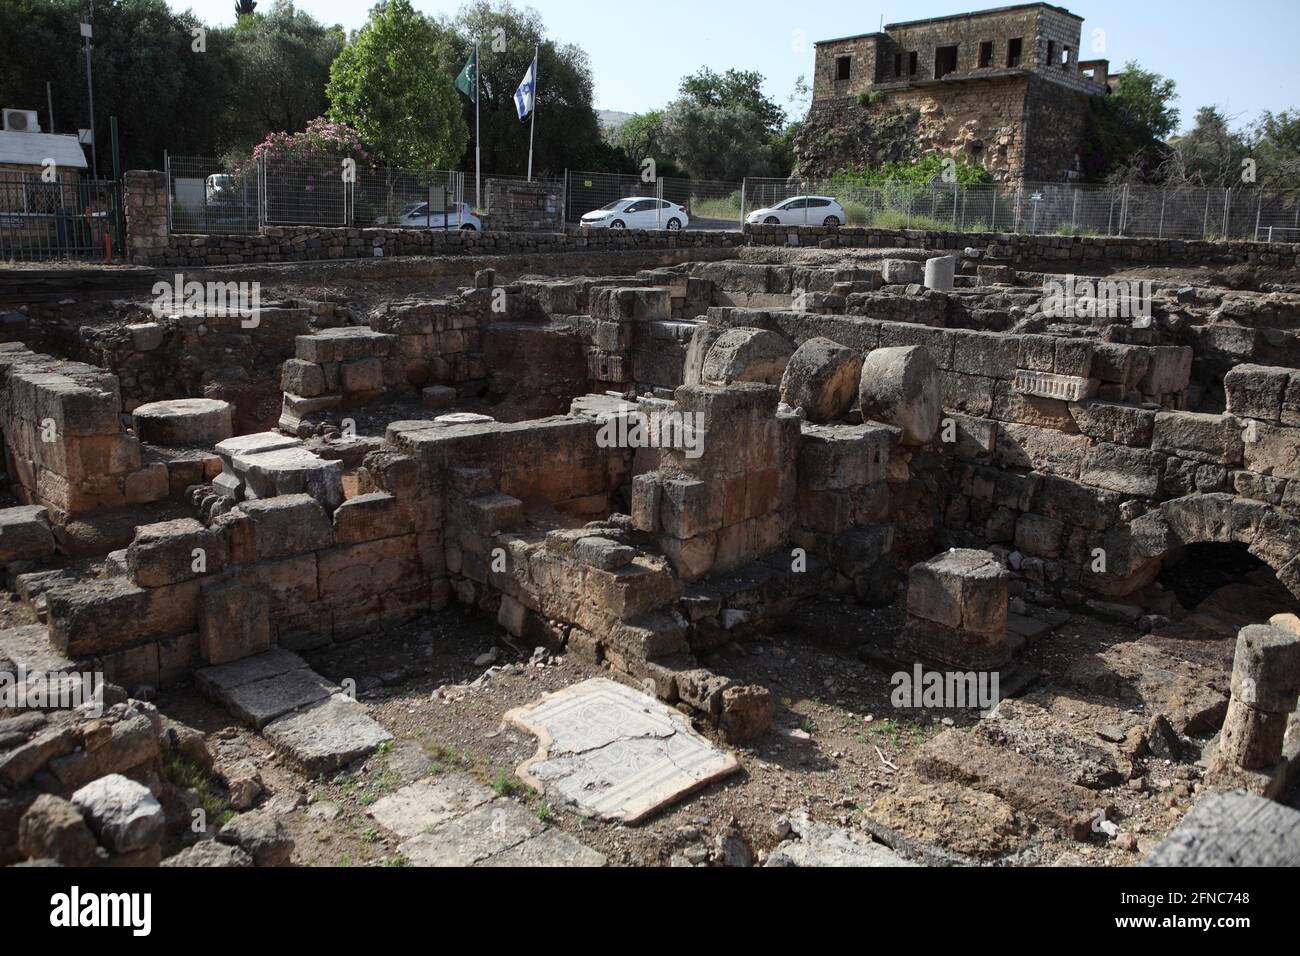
460	215
638	212
801	211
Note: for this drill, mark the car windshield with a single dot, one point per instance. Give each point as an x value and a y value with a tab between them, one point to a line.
612	206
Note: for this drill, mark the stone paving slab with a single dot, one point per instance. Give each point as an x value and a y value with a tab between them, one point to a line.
615	753
454	820
260	688
425	804
328	735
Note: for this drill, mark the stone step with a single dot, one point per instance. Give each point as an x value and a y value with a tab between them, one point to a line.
301	713
1232	829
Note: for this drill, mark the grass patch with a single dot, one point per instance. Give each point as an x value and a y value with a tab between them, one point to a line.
545	813
716	208
507	784
187	774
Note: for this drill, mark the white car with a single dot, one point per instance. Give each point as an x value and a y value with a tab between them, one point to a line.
638	212
460	215
800	211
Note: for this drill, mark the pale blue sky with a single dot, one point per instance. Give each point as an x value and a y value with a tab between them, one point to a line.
1240	56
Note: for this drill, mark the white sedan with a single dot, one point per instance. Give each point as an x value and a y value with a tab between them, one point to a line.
459	216
638	212
800	211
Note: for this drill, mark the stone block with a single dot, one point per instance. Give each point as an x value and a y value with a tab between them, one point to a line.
234	622
961	589
183	421
286	525
170	552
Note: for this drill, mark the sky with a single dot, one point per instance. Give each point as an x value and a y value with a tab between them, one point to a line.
1239	56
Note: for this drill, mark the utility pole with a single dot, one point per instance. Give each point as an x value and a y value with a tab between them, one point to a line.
86	33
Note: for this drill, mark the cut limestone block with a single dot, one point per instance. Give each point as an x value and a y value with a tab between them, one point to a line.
1232	829
328	735
747	355
25	534
900	386
183	421
230	482
615	753
234	622
1065	388
261	688
173	551
290	471
902	271
818	845
822	378
957	609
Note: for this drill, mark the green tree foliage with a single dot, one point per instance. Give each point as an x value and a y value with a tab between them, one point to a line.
923	172
735	89
1127	129
392	82
1210	154
568	131
146	73
717	142
280	63
1275	148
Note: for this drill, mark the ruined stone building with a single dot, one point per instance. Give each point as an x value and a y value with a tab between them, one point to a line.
1005	88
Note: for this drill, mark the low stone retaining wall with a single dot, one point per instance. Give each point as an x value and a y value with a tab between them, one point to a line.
1016	249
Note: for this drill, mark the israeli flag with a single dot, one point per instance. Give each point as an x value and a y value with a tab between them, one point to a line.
526	95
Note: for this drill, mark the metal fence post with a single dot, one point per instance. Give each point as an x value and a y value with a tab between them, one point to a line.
1227	206
1259	206
1164	198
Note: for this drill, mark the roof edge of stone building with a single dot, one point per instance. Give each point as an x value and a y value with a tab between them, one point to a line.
992	11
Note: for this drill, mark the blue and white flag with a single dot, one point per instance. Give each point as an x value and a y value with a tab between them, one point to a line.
526	95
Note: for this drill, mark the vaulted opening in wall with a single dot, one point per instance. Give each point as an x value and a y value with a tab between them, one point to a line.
898	64
843	68
911	63
1224	586
945	61
986	54
1051	52
1014	46
1065	57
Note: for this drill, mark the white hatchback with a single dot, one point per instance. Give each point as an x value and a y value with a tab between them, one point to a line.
638	212
459	216
800	211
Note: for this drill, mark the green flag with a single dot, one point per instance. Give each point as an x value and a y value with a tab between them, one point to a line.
467	81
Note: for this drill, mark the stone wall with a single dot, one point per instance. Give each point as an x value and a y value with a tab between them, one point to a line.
520	206
144	199
312	243
1055	252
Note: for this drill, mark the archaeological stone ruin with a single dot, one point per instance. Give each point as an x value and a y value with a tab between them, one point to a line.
484	554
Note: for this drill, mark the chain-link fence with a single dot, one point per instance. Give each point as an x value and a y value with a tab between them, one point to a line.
1037	208
208	196
709	204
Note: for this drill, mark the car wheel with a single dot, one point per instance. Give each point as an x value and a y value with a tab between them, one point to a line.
618	224
674	225
831	221
772	221
468	227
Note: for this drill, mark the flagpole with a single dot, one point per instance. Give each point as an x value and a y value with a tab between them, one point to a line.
532	128
478	142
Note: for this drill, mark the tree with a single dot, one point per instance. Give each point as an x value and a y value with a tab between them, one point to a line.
392	83
281	63
147	72
739	89
641	137
1209	155
1127	129
244	8
568	129
1276	148
717	142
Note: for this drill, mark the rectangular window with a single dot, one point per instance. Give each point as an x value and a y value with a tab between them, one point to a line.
1013	51
843	67
898	64
945	61
1051	53
986	54
911	63
1065	57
